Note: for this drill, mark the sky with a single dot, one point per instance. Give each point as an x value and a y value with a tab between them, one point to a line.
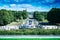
29	5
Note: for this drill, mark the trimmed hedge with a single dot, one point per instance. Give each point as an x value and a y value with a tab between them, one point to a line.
36	31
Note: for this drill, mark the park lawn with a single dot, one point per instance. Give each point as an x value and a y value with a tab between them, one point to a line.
45	20
29	38
17	23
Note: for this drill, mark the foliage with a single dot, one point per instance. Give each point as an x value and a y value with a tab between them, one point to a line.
36	31
18	14
8	16
54	15
37	16
5	17
24	14
44	14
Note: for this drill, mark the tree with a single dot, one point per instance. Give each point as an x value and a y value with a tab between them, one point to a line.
25	14
14	15
54	15
18	14
11	15
5	17
37	16
44	14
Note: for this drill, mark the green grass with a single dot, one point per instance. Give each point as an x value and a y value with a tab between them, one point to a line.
29	38
45	20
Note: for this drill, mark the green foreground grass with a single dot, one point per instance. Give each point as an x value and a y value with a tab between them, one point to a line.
29	38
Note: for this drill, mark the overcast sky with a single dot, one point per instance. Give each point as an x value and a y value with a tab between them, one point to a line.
29	5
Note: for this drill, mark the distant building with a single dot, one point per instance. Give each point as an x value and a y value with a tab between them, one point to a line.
9	27
30	22
47	25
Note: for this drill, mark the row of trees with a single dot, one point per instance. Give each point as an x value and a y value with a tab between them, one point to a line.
40	16
36	31
8	16
53	16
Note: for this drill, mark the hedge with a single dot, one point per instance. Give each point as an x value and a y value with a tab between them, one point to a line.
36	31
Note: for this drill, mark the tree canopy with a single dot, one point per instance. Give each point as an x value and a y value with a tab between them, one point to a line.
8	16
5	17
24	14
54	15
37	16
